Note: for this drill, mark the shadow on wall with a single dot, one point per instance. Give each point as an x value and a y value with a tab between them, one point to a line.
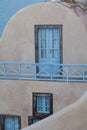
73	117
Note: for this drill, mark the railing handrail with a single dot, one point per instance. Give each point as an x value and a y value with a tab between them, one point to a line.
65	64
45	71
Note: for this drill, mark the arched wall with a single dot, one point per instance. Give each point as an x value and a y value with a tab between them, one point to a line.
18	40
18	44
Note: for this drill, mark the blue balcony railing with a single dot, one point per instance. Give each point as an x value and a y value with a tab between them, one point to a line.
36	71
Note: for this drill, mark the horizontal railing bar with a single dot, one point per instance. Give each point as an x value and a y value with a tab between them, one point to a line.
38	71
24	63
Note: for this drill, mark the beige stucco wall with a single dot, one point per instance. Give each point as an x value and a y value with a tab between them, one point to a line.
16	96
72	117
17	44
18	41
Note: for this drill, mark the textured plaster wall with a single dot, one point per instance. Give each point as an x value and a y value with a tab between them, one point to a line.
72	117
16	96
18	44
18	41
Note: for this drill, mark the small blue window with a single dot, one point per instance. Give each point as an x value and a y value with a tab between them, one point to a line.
43	104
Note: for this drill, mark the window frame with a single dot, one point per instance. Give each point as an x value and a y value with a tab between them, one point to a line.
32	118
2	119
34	98
36	28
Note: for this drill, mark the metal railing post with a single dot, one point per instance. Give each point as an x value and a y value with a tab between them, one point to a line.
4	71
19	73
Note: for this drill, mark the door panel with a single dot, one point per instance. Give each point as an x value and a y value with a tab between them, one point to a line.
16	124
49	49
42	46
11	123
54	47
49	45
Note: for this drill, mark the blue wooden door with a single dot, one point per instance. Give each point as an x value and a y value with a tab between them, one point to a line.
49	46
11	123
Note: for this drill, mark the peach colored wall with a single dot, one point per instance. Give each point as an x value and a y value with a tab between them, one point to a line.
17	41
71	117
17	44
16	96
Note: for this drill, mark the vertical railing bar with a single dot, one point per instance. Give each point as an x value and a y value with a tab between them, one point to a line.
67	75
51	71
84	73
35	69
19	71
83	77
36	66
4	70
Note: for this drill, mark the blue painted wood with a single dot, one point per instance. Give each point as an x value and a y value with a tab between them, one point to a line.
43	104
28	71
49	47
16	126
11	123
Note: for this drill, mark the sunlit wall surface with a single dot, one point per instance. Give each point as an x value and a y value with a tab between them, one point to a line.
9	7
